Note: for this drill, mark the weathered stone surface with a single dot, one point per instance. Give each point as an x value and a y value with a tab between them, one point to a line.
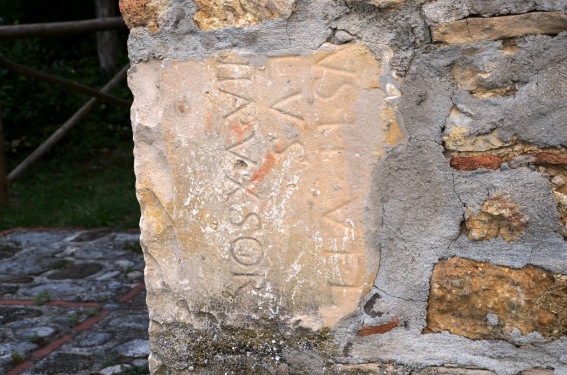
138	13
469	153
498	217
497	103
439	11
386	3
215	14
135	348
478	81
452	371
480	300
369	369
476	29
253	176
537	371
457	138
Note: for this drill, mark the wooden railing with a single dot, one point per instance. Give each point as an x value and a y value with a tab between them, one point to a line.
54	29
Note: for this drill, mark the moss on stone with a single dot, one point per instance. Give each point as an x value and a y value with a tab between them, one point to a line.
181	346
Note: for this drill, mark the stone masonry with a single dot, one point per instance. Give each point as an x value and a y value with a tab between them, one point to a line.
352	186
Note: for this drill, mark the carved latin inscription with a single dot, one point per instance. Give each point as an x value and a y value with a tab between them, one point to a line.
271	160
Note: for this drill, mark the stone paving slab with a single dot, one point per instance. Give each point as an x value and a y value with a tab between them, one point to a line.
72	302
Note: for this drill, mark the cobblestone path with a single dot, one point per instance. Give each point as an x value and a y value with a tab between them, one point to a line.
72	302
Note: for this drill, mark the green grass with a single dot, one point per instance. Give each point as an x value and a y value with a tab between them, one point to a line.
60	264
87	179
73	320
42	298
17	358
62	192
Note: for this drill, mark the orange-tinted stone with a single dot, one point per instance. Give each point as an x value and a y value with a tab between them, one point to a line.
253	196
493	28
498	217
216	14
138	13
480	300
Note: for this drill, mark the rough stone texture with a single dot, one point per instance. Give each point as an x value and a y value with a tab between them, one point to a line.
143	13
66	333
438	11
452	371
482	301
477	126
477	29
489	152
498	217
385	3
215	14
264	190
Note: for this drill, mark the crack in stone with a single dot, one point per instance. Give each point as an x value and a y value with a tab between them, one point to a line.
398	297
469	30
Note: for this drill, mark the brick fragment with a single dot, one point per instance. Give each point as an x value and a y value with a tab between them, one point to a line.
383	328
471	163
550	158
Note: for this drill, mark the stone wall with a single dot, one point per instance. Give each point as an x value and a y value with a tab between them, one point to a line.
352	186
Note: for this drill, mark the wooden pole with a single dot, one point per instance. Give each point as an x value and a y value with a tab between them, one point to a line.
3	180
60	28
107	41
59	133
74	86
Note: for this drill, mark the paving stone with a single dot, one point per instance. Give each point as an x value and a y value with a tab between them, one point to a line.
134	348
90	235
107	275
115	285
140	362
12	314
130	321
59	290
95	339
123	263
34	238
8	289
135	275
117	369
76	271
5	360
21	347
62	363
40	332
28	265
7	250
16	279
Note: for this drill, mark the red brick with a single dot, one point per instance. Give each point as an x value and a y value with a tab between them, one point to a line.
471	163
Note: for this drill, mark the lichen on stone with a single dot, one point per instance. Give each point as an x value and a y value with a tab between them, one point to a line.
180	345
